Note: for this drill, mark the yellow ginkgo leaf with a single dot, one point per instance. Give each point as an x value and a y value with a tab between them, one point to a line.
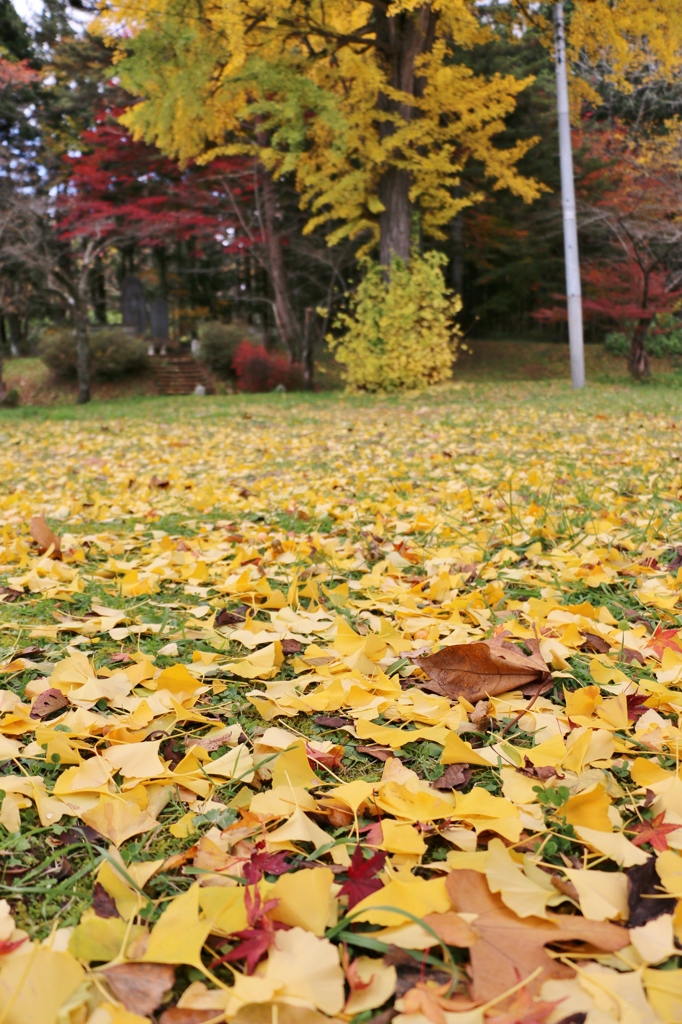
458	751
305	967
298	829
401	837
613	845
305	899
518	892
102	938
179	935
354	794
603	894
378	982
589	809
405	895
664	991
34	985
117	818
237	763
135	760
225	908
655	940
292	768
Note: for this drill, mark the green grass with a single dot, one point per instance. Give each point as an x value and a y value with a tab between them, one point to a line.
659	395
533	367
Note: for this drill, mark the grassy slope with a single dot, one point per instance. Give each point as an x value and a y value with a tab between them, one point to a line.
486	361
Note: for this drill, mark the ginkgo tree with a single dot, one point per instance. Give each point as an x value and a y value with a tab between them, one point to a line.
364	102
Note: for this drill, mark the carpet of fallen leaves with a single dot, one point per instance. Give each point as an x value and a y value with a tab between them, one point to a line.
341	712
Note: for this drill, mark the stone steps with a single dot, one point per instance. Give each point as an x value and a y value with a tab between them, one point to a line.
180	375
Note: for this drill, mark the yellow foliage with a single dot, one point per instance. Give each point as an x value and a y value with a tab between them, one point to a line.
309	88
401	334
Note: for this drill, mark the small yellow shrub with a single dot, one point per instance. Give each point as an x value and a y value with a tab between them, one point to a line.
400	332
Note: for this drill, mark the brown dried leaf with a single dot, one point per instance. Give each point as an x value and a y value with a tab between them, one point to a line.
453	777
44	537
331	721
480	716
103	904
47	702
543	773
476	671
140	987
225	618
595	643
510	948
381	753
291	646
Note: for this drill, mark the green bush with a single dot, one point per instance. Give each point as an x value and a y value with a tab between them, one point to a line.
219	342
114	352
617	343
400	332
664	338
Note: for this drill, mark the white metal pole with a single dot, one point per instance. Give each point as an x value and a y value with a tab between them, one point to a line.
573	292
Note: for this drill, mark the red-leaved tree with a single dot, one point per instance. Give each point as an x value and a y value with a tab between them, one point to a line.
630	212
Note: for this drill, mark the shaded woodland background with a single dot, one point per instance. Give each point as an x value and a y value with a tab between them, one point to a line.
96	225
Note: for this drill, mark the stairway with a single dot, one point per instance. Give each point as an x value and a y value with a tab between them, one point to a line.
179	375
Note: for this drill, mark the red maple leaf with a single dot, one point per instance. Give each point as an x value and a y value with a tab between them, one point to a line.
653	832
8	946
254	941
262	863
332	758
662	638
362	880
636	706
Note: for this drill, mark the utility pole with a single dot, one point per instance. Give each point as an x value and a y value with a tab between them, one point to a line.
572	258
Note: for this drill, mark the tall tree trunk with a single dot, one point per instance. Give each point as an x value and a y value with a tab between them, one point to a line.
639	360
14	325
80	325
395	223
285	317
3	342
457	255
98	291
308	353
401	39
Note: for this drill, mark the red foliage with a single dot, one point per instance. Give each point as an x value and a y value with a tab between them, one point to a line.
258	370
261	862
362	876
121	188
254	941
16	73
662	638
653	832
625	202
614	290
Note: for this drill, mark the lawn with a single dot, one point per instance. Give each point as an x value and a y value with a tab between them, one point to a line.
484	360
320	707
